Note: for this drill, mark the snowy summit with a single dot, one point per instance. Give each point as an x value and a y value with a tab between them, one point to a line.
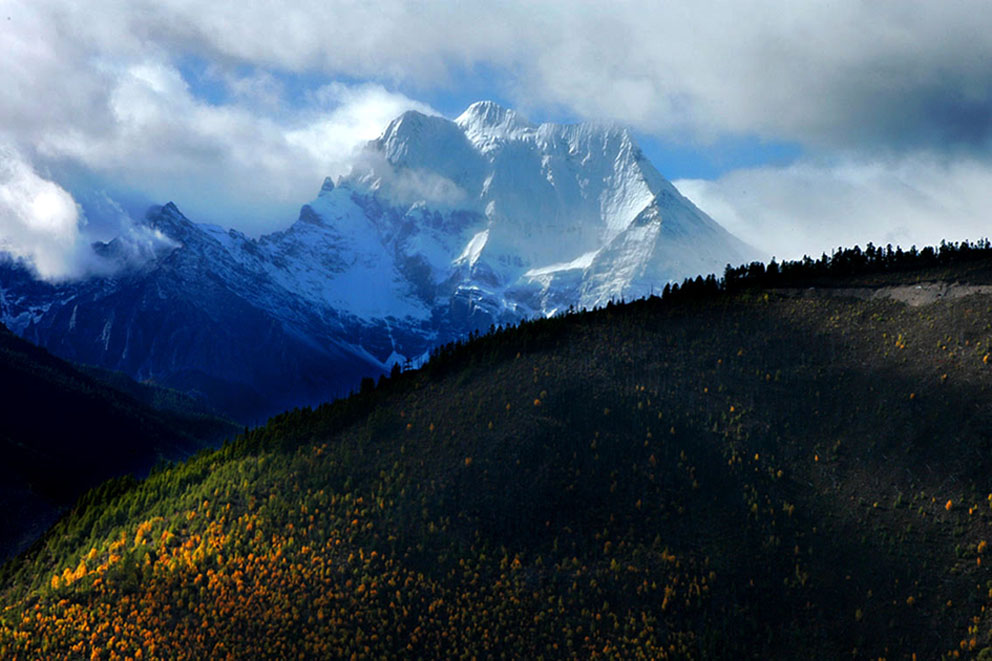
536	217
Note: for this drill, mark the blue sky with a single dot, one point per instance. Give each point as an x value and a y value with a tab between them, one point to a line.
798	126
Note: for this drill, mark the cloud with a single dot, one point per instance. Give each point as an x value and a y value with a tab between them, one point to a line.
812	208
838	74
42	225
39	220
407	185
229	164
342	118
131	244
260	90
96	97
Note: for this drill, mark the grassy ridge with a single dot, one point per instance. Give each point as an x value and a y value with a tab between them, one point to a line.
744	475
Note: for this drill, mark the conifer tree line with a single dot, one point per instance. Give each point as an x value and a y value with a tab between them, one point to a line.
847	262
805	272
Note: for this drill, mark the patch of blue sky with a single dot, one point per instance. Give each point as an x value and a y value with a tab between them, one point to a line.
708	161
208	84
478	82
203	84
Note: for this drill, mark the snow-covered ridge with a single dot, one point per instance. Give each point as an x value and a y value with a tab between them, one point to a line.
548	198
485	122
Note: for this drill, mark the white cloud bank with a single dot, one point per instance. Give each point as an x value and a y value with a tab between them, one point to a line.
94	94
39	220
228	164
827	72
807	208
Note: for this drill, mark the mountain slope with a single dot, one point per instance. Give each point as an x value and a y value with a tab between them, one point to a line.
193	321
63	431
765	473
443	228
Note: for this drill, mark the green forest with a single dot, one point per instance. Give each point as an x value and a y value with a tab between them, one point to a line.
777	463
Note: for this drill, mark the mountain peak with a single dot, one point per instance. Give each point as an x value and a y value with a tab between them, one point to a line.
171	222
167	213
412	135
411	121
489	116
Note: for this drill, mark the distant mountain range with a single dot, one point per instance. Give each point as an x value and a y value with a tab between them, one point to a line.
443	227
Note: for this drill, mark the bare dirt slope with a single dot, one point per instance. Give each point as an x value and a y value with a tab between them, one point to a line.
913	295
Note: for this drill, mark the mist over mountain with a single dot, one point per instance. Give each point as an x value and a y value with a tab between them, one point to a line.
442	227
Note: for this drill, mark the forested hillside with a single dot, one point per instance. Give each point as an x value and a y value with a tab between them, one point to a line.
785	464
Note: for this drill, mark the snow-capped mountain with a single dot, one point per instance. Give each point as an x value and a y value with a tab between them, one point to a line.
536	218
442	227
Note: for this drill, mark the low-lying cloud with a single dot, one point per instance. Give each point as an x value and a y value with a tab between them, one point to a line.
39	220
810	208
44	227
